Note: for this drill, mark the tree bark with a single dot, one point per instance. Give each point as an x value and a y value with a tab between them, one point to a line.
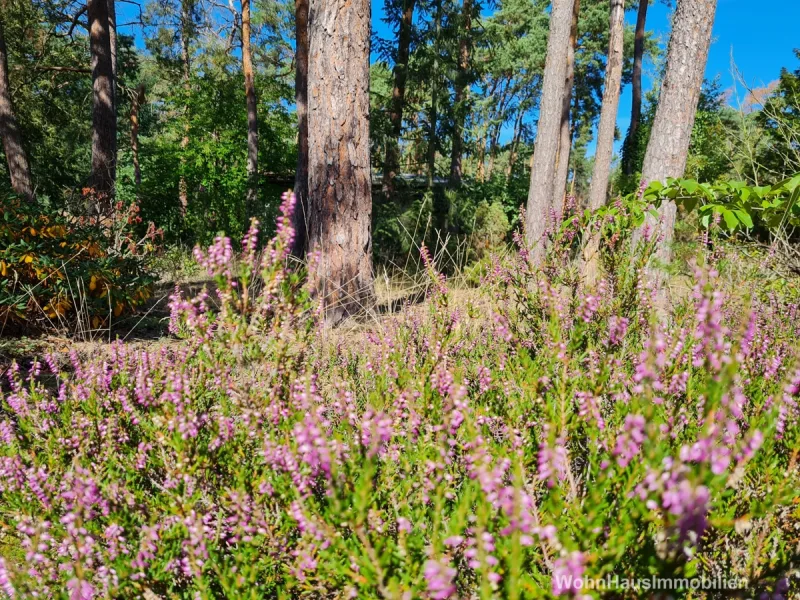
19	168
136	104
187	32
433	115
339	186
104	114
392	163
668	147
252	111
461	93
541	195
605	134
301	102
112	38
565	136
636	104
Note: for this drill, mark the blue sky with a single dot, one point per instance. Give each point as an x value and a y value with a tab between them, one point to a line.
759	34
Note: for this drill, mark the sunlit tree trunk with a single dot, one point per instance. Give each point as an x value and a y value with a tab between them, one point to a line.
541	195
104	118
433	113
187	32
18	167
339	182
301	103
252	111
392	161
112	38
636	103
605	133
671	134
461	93
136	105
565	136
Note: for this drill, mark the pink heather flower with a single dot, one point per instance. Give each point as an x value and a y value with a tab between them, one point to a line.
617	328
439	577
630	441
568	573
5	580
80	590
404	525
553	462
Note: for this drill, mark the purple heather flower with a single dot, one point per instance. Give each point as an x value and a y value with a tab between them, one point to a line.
568	573
439	577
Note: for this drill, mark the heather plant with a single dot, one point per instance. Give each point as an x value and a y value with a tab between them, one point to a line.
517	444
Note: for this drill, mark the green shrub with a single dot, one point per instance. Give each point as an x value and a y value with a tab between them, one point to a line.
57	269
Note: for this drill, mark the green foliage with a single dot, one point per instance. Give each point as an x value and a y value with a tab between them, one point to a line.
733	205
59	272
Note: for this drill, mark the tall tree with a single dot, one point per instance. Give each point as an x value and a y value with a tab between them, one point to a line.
104	114
18	167
400	75
541	194
252	111
671	134
565	137
187	32
339	186
461	92
301	102
605	132
112	39
433	112
137	100
632	141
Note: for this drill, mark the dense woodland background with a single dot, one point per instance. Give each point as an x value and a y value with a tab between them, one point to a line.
202	123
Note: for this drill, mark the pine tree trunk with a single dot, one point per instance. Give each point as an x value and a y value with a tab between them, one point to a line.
104	116
112	38
301	102
136	105
339	186
187	7
18	167
605	134
461	92
433	114
636	104
392	163
541	196
565	137
668	147
252	112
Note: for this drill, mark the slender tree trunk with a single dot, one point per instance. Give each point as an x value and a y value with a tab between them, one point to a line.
339	186
252	111
301	102
433	115
541	195
112	38
512	155
480	172
187	32
136	105
19	169
636	104
565	137
104	114
605	135
668	147
494	138
392	163
461	93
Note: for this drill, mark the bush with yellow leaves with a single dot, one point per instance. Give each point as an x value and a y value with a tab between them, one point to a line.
57	269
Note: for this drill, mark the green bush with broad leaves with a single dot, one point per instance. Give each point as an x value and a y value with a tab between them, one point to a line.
57	269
